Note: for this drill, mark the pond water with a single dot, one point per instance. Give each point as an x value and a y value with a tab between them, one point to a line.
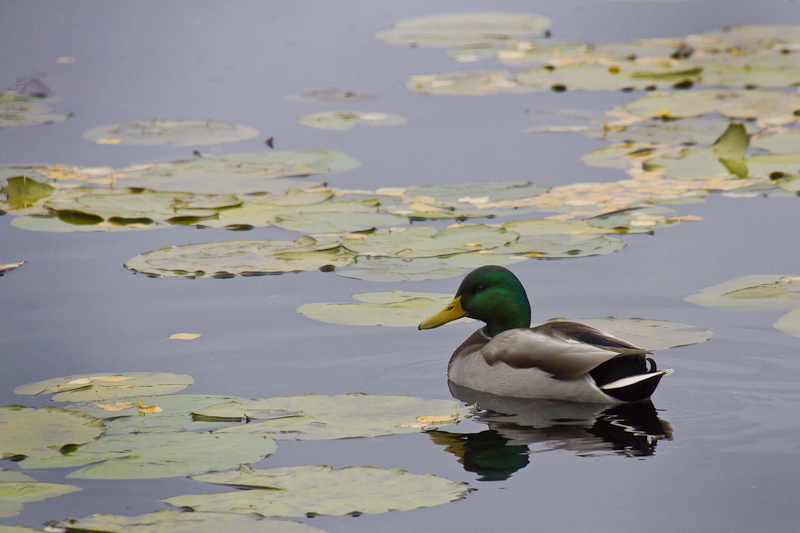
724	455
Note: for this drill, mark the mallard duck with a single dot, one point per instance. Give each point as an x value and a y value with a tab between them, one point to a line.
558	360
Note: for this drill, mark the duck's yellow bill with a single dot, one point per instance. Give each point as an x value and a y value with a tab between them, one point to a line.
453	311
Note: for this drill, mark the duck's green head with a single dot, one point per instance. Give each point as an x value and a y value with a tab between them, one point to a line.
491	294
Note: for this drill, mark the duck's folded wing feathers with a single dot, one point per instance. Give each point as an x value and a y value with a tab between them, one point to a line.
564	349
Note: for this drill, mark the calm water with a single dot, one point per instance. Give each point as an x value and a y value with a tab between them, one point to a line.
732	463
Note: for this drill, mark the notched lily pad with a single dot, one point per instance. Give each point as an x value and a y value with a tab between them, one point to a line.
315	417
171	131
158	455
171	521
33	433
304	490
345	120
394	308
96	387
650	334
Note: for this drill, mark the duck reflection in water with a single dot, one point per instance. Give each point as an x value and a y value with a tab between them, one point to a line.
629	429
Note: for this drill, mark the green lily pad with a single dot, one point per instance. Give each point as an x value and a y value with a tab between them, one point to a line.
315	417
43	432
789	323
394	308
158	455
723	159
756	104
476	193
304	490
670	132
16	529
236	173
345	120
171	521
331	95
101	386
779	143
622	76
394	269
468	83
16	488
639	220
755	291
415	242
17	111
170	131
240	258
479	29
333	222
564	246
650	334
173	413
22	192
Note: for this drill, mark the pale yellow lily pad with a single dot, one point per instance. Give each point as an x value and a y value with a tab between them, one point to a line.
32	433
345	120
170	131
394	308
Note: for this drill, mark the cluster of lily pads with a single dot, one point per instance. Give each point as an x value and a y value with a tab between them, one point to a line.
137	426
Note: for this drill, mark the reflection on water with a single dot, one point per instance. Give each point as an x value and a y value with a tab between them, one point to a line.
631	430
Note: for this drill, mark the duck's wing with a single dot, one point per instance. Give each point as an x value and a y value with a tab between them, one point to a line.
564	349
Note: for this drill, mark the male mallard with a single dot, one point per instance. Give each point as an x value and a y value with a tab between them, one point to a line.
558	360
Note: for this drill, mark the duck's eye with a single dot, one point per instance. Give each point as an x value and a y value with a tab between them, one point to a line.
479	288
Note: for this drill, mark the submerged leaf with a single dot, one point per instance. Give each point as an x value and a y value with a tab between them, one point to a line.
303	490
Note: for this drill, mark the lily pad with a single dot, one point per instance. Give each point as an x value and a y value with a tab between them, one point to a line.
16	488
240	258
17	111
235	173
415	242
43	432
779	143
755	291
315	417
468	83
22	192
171	131
96	387
158	455
345	120
171	521
124	416
755	104
789	323
394	269
622	76
564	246
476	193
650	334
479	29
766	166
304	490
332	95
333	222
394	308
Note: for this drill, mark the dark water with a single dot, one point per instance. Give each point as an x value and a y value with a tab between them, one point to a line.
732	463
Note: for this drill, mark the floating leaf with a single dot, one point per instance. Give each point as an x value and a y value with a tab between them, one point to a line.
625	76
755	104
779	143
344	120
185	336
157	455
394	269
304	490
43	432
333	222
467	83
332	95
315	417
22	192
477	193
650	334
123	417
236	173
789	323
564	246
239	257
17	111
171	521
394	308
465	29
9	267
170	131
755	291
16	488
96	387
